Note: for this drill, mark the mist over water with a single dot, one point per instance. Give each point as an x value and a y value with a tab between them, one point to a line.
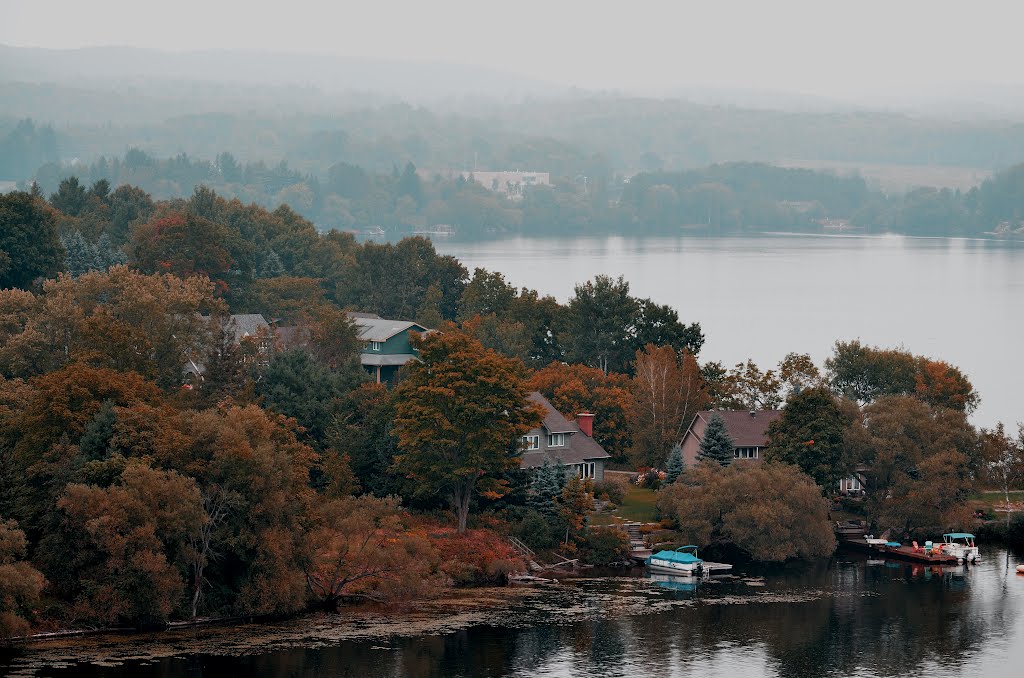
763	296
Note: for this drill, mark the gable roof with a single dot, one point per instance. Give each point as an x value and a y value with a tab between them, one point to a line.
381	329
554	421
247	325
745	429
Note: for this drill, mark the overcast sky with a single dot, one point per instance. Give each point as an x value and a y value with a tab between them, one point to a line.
821	47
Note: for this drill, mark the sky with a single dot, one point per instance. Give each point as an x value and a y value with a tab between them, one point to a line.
820	47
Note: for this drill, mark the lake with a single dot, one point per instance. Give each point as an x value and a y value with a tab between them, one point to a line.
850	616
762	296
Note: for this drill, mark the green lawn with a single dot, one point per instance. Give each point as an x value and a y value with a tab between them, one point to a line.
638	505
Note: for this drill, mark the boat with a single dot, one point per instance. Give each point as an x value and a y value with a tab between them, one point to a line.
961	545
681	562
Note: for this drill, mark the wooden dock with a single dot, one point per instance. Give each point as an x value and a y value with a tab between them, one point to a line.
711	567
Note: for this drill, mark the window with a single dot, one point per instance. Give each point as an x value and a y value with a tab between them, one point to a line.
376	345
747	452
531	442
851	484
556	440
587	469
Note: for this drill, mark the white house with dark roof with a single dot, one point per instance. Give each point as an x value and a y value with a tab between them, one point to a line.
386	343
560	441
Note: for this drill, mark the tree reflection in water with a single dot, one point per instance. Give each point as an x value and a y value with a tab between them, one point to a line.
838	618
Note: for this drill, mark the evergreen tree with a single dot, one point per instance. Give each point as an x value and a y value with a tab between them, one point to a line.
545	489
716	446
675	464
96	439
272	266
80	255
107	255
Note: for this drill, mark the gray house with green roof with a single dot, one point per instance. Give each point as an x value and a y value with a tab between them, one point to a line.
560	441
387	344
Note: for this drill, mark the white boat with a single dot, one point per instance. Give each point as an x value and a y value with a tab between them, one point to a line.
961	545
681	562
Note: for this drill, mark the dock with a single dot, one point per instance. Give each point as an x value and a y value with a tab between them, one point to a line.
908	553
711	567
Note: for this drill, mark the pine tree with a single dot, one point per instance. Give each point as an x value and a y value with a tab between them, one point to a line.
716	446
545	490
107	255
96	439
80	255
675	464
272	266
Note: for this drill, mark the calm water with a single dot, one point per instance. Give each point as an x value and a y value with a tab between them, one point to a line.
848	617
763	296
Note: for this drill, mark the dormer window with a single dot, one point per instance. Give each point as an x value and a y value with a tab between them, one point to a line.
376	345
531	442
556	440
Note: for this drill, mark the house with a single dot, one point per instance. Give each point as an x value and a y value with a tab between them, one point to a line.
251	331
560	441
387	345
748	430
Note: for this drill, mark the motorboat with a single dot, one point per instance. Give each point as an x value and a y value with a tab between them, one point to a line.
681	562
961	545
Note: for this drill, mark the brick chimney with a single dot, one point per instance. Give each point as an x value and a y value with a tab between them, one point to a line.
585	420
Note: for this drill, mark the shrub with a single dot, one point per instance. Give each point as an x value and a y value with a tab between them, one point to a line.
771	511
604	545
476	558
610	490
536	531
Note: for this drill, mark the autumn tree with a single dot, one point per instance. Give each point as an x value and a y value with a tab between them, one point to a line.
460	413
184	244
810	435
921	463
866	373
572	389
20	583
716	445
119	552
668	391
1004	460
798	372
360	548
771	511
752	389
29	244
118	319
575	504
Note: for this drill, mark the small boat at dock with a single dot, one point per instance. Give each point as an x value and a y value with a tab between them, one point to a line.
683	562
961	545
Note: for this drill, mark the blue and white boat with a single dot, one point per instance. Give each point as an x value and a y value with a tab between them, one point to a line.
681	562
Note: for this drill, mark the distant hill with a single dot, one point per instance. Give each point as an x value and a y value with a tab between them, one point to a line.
412	80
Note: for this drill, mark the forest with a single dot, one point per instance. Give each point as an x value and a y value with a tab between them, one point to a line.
286	480
585	198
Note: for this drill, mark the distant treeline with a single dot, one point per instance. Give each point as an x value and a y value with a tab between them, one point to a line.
721	198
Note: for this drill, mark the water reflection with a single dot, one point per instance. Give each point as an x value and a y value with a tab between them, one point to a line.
851	616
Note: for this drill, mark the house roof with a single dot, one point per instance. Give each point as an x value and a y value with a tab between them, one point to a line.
381	329
745	429
554	422
578	447
247	325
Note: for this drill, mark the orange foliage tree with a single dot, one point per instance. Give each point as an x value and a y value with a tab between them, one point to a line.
577	388
460	413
